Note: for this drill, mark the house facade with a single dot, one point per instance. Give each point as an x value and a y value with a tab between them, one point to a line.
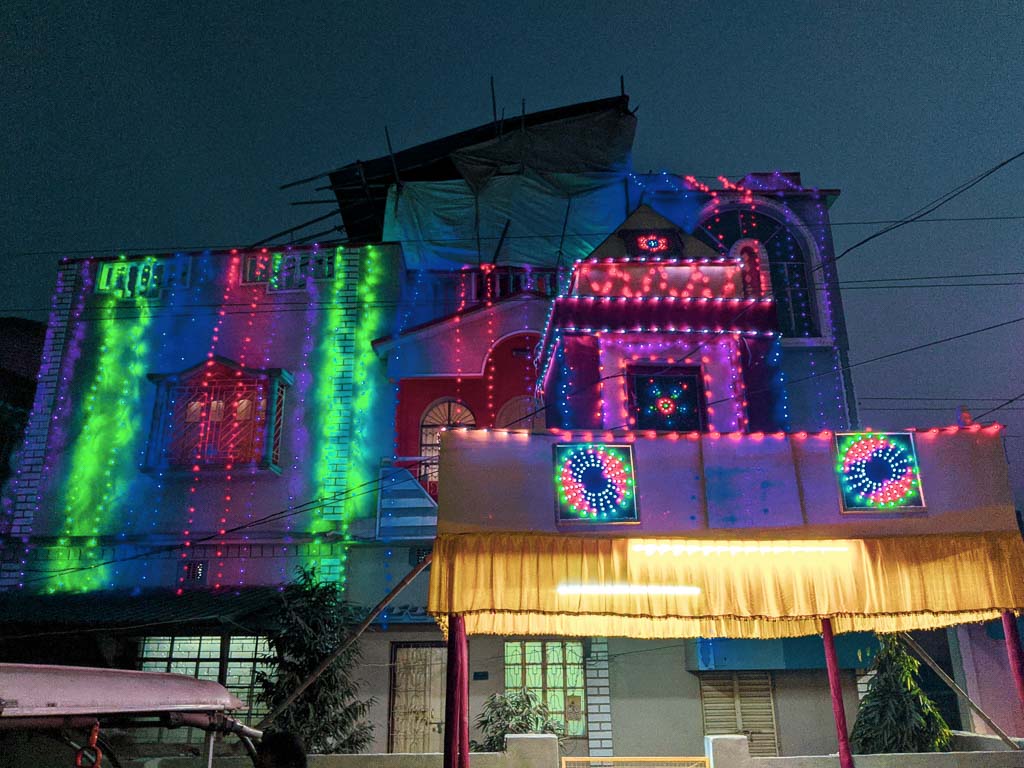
205	423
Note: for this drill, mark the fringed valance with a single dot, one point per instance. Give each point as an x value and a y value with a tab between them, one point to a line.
523	584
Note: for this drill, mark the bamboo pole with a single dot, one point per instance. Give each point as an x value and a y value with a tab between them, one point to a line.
330	659
923	655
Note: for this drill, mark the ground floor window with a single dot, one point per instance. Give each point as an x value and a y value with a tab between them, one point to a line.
554	670
741	703
202	657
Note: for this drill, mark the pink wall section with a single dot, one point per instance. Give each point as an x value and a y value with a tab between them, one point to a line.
513	376
987	673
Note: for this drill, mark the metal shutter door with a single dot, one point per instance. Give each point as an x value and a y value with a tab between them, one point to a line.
741	703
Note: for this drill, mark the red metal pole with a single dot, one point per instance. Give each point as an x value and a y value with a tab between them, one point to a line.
453	689
1013	651
836	687
463	647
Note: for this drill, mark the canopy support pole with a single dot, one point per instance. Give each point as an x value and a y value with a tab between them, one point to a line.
1013	650
456	699
836	688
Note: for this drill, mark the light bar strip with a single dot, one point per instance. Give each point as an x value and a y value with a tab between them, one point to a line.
627	589
737	549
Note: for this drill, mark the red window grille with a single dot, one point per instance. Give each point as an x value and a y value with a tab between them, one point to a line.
219	415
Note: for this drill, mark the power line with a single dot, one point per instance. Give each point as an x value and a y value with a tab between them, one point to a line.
926	408
307	506
245	307
1001	406
928	208
197	248
952	398
886	356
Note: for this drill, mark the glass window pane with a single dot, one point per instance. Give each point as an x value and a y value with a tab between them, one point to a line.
573	676
553	652
555	676
513	653
556	703
534	653
574	653
534	676
513	678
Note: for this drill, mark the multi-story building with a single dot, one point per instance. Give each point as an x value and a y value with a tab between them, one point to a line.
207	422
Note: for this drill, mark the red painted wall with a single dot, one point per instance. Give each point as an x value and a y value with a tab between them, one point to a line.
511	376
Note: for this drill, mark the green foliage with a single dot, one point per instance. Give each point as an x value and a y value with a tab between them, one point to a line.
895	715
519	711
313	622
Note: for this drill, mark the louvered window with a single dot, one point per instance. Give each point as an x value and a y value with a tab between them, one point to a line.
741	703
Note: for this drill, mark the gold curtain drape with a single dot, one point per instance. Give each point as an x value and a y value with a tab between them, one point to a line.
533	584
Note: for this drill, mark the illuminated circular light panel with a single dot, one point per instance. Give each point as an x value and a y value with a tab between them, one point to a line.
594	483
878	471
652	243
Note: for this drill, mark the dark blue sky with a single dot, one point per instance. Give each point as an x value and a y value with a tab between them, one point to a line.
167	126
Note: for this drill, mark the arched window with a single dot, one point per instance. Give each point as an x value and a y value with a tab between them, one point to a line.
446	414
519	413
783	255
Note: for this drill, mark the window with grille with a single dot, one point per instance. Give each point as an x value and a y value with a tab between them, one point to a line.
553	670
446	414
741	703
288	271
667	398
520	412
199	656
218	414
142	278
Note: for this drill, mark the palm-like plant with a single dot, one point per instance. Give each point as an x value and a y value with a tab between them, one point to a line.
896	715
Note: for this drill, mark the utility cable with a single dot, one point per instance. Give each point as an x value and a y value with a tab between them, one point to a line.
922	212
1001	406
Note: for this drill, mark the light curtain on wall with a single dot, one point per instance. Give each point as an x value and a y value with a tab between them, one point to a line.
523	584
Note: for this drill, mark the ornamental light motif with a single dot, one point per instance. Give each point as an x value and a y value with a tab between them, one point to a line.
878	471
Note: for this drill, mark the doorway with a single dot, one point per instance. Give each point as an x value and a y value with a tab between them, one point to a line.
416	719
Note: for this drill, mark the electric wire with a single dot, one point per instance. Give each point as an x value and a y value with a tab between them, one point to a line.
920	213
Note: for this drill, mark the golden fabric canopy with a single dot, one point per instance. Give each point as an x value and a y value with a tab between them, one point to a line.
565	585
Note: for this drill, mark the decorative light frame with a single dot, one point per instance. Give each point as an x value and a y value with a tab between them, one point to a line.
567	513
897	446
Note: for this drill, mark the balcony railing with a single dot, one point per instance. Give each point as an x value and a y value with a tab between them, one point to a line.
407	498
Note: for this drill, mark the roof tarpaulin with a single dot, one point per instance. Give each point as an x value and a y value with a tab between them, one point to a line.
598	142
443	224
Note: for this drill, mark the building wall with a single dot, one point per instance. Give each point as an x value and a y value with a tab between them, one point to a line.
656	703
989	681
656	707
86	445
803	712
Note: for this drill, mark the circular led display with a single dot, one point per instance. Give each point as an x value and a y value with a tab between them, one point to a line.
595	481
878	471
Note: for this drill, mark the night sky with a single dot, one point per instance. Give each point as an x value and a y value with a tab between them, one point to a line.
170	126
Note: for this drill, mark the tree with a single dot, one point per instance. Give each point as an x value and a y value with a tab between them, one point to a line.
895	715
519	711
313	621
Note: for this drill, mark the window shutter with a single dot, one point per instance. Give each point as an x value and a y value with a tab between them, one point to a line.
741	703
